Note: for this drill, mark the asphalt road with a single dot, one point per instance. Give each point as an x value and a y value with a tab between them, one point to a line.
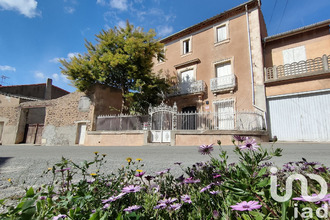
24	164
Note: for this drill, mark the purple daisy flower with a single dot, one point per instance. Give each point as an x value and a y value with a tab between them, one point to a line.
214	192
174	207
246	206
249	143
59	217
168	201
131	188
239	138
163	171
207	187
205	149
132	208
190	180
186	199
160	206
140	174
106	206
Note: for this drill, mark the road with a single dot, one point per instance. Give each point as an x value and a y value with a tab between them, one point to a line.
25	163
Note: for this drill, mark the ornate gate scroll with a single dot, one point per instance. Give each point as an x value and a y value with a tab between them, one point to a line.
163	120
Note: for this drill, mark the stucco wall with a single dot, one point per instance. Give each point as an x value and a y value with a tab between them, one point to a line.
105	138
316	43
236	49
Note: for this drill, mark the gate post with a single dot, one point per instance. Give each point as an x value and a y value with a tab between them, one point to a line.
174	116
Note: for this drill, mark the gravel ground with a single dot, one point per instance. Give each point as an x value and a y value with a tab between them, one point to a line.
24	164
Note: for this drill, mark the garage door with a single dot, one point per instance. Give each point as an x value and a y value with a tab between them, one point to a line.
304	117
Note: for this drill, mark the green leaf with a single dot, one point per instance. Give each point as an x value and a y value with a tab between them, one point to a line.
257	215
246	217
263	183
262	172
95	216
30	193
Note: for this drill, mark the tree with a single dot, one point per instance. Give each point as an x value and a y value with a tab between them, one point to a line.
122	58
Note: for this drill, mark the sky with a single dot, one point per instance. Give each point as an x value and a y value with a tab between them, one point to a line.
35	34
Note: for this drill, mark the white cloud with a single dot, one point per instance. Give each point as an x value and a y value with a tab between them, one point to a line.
25	7
164	30
7	68
119	4
39	75
55	76
101	2
69	56
121	24
69	10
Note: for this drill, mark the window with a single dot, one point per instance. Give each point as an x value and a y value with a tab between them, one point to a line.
187	76
223	69
225	114
295	54
161	59
186	46
221	33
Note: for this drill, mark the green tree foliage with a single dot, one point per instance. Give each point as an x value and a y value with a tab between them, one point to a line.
122	58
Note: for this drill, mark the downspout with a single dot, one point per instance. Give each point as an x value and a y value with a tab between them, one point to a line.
251	66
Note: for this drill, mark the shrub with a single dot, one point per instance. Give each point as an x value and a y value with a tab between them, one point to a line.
207	190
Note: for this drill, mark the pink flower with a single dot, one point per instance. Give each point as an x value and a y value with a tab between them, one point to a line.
186	199
246	206
60	216
205	149
132	208
249	143
131	188
191	180
140	174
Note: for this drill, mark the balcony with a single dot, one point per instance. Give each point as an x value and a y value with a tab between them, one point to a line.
223	83
311	67
189	88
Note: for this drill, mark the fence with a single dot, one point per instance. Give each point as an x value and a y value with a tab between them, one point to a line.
121	122
246	121
319	64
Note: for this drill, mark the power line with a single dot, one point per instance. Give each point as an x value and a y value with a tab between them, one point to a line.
271	16
286	3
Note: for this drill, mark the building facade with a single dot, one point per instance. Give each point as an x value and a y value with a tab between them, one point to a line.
297	80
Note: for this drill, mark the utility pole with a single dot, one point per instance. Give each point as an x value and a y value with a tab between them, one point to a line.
3	79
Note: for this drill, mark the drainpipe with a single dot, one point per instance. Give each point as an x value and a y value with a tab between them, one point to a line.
251	66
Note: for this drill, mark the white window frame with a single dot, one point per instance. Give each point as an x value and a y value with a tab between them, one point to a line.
180	71
215	28
182	42
229	119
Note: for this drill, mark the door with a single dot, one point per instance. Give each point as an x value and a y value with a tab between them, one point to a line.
81	133
302	117
1	130
161	127
226	115
34	133
189	118
187	78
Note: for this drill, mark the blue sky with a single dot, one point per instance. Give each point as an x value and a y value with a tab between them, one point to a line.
36	33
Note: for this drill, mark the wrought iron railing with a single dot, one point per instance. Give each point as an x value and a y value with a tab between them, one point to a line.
244	121
223	83
185	88
121	122
247	121
317	65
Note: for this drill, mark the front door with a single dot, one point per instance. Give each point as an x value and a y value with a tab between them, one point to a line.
189	118
34	133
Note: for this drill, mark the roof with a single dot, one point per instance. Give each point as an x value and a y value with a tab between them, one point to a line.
19	96
297	31
208	22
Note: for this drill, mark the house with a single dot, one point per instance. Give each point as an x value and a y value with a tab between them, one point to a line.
217	67
297	82
45	114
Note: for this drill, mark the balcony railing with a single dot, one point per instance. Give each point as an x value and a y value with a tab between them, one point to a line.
188	88
298	69
223	83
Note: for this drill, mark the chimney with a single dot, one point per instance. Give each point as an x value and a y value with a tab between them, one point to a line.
48	90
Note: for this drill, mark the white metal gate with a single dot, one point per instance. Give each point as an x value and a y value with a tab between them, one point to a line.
300	117
162	122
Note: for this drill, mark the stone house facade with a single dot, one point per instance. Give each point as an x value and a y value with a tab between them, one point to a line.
63	120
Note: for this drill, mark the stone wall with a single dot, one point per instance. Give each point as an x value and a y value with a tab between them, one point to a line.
9	115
